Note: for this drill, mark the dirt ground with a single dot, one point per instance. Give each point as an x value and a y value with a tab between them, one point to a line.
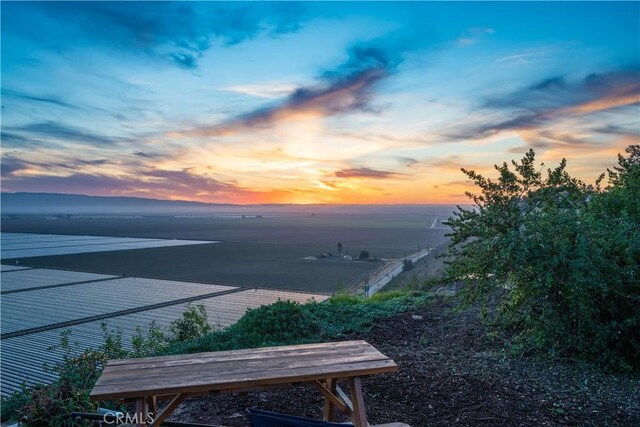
452	374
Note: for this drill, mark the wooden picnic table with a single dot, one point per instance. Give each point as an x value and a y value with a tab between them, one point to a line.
177	377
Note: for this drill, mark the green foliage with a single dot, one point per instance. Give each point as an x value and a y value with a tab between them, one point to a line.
192	324
397	293
151	342
276	324
288	322
559	258
344	298
52	404
364	255
11	405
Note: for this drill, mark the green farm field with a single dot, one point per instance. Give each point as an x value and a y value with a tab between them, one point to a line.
264	252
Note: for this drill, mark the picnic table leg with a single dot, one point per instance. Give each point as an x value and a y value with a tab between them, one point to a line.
141	412
152	406
359	412
327	413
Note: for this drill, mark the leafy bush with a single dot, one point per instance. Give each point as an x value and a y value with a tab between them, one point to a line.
275	324
192	324
149	343
560	258
52	404
288	322
344	298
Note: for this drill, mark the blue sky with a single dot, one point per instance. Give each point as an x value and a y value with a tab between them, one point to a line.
310	102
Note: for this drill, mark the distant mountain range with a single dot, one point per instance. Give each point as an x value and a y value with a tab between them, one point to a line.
78	204
61	204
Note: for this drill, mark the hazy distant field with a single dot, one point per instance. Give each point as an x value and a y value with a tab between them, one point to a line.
254	251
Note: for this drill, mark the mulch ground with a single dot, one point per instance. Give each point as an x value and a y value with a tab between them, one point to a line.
452	374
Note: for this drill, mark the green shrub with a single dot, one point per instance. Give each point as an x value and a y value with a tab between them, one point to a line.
276	324
345	299
287	322
52	404
12	404
560	258
151	342
393	294
192	324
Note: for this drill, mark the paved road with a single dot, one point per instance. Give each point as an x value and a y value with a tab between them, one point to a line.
378	278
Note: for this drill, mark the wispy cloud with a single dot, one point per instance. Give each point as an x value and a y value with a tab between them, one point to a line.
345	89
459	183
443	164
14	140
51	100
366	173
177	32
59	131
473	35
528	55
266	90
11	165
407	161
14	165
554	99
615	129
148	155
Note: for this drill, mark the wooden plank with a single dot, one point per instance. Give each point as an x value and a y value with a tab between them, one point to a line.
345	399
213	357
167	410
329	404
263	358
222	381
152	404
287	370
359	411
141	411
242	368
331	400
247	351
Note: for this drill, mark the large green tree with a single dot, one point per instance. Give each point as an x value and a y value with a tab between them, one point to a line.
555	260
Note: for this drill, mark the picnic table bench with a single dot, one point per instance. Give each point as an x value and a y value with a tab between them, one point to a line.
177	377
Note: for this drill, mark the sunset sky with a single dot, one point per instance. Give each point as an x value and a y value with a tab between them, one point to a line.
310	102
